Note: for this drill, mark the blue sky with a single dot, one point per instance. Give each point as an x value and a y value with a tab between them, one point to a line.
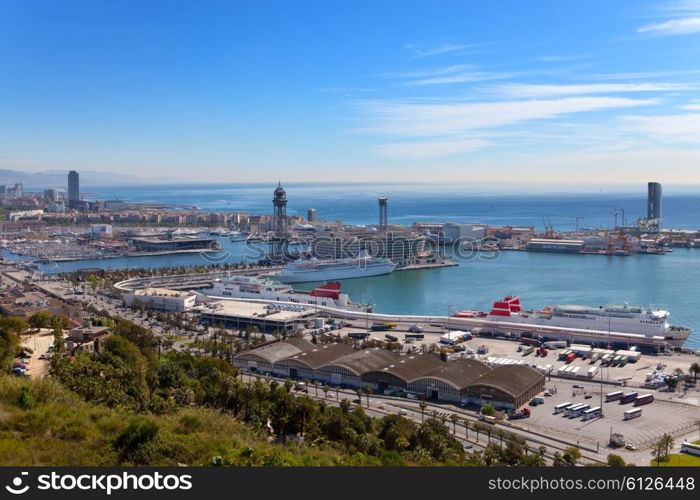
462	92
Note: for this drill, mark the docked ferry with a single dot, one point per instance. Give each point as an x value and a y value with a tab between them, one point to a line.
302	271
246	287
614	323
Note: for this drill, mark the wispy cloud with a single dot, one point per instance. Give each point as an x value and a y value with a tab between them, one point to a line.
445	48
678	128
429	149
516	90
641	75
456	73
688	22
561	58
684	26
450	119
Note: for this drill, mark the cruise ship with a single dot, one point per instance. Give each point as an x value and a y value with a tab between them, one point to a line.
613	323
302	271
246	287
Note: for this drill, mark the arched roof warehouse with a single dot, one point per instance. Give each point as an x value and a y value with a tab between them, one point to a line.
363	361
271	353
404	369
316	357
514	380
458	373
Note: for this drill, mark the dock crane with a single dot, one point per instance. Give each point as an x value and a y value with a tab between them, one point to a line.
578	219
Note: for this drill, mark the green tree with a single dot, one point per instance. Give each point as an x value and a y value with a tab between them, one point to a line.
368	392
615	460
695	370
571	455
40	319
423	405
488	410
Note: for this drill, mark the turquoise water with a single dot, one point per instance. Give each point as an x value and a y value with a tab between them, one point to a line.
671	281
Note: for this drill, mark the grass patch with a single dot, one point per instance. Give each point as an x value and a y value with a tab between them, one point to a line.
679	459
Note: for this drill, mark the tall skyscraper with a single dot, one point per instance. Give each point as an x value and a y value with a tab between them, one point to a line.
383	201
654	201
73	186
311	215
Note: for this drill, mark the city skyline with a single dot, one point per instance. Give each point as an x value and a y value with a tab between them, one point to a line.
467	93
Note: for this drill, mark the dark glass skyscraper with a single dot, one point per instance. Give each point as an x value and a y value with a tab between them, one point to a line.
73	186
654	201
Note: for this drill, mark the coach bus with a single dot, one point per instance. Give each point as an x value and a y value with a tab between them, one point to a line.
613	396
561	407
633	413
628	397
644	399
592	413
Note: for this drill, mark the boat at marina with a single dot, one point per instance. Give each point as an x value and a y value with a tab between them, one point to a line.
589	323
237	236
301	271
247	287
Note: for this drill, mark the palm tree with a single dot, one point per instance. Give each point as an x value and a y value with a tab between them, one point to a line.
668	443
368	391
316	387
454	419
337	392
695	370
501	434
477	427
466	427
325	390
423	405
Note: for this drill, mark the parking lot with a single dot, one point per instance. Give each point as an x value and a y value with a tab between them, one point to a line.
658	417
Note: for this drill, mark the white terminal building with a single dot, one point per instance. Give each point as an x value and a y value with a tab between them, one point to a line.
161	299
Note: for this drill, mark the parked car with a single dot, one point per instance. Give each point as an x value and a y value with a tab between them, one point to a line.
577	386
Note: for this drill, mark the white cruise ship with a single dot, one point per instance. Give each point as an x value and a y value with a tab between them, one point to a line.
613	323
246	287
302	271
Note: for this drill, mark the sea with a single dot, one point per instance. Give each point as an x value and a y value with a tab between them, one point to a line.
670	281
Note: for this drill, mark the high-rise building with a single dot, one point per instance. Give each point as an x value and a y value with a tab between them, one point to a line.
311	215
383	201
654	201
19	190
73	186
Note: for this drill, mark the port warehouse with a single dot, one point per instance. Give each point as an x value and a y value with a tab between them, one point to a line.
425	375
551	245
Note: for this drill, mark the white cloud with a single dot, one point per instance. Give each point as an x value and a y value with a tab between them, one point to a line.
537	91
691	107
445	48
466	77
425	150
679	128
420	119
683	26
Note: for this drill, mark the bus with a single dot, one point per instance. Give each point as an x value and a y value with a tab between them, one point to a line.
391	338
577	410
613	396
644	399
592	413
628	397
568	412
633	413
561	407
